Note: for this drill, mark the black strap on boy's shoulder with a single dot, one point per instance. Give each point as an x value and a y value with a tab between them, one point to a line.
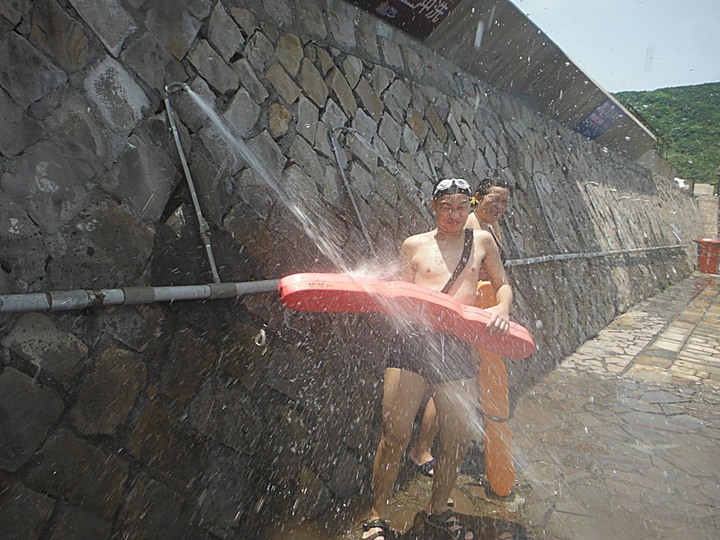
467	247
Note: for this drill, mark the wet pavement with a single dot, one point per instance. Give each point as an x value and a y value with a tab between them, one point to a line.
621	440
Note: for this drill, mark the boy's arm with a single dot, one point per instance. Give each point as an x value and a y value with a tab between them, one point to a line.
499	314
407	270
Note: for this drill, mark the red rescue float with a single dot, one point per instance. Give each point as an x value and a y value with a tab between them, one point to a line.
339	293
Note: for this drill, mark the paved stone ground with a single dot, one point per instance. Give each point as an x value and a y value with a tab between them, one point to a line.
622	440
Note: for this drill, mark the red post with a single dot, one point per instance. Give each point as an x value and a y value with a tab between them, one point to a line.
708	255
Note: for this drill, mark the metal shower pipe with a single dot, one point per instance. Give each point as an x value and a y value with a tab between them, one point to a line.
361	221
202	224
589	255
84	298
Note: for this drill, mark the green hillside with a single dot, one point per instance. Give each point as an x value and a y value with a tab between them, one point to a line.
688	121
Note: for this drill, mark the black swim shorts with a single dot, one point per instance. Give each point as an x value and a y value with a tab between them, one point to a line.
435	356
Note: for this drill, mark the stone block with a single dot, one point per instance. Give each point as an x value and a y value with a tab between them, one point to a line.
28	412
14	221
164	445
467	133
313	22
332	188
117	96
108	392
284	85
392	54
363	150
15	11
188	360
24	513
244	224
381	78
367	39
26	258
299	187
225	412
256	193
144	328
59	36
75	523
312	83
333	117
307	119
153	510
25	73
366	126
76	133
269	159
223	33
387	159
370	100
414	63
109	248
245	18
80	474
48	185
174	25
212	163
353	69
325	60
36	338
153	62
390	132
279	119
323	145
143	178
417	123
342	92
218	74
337	23
242	113
289	53
305	157
409	140
360	179
259	51
110	22
17	130
249	80
178	257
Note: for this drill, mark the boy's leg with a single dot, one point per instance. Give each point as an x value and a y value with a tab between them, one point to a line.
422	451
455	402
403	392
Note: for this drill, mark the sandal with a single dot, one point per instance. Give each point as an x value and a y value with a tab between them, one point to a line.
378	523
448	523
426	469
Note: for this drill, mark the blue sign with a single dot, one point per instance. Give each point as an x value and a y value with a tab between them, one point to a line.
599	120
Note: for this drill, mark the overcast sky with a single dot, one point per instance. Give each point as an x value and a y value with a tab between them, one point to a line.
635	44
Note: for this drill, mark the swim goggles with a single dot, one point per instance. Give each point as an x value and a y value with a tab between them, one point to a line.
451	186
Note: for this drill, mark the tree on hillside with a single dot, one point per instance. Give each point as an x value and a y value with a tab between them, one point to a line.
688	120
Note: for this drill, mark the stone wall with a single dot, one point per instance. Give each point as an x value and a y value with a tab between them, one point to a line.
709	205
168	419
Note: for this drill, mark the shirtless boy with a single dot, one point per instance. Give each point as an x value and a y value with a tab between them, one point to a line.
426	359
